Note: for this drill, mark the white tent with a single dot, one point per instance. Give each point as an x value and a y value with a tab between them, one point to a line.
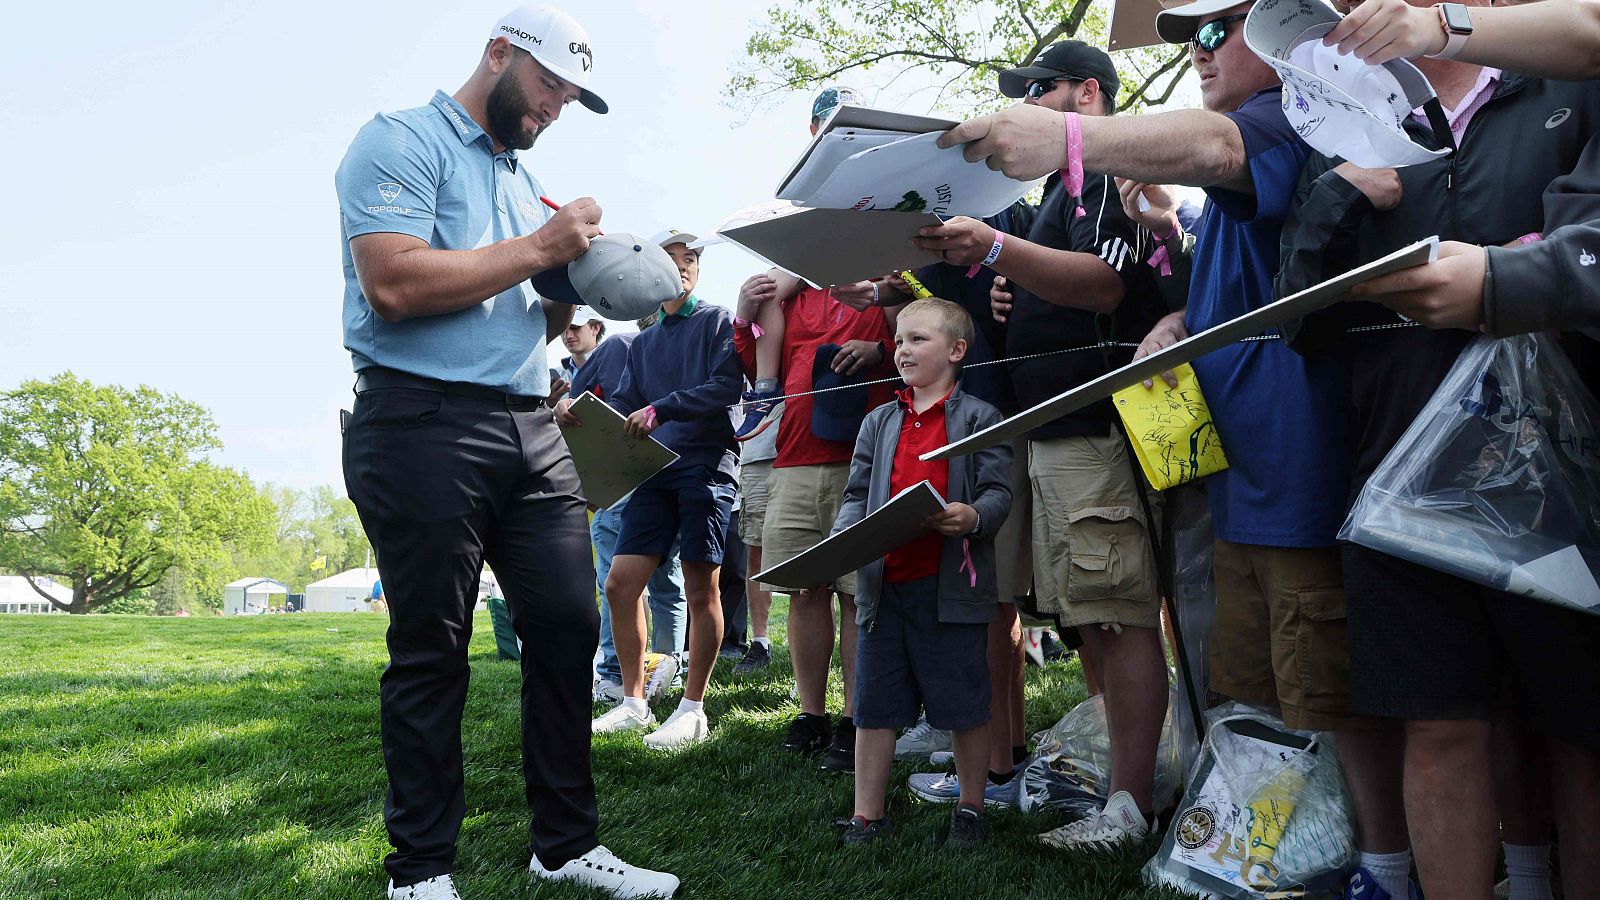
251	596
17	596
348	591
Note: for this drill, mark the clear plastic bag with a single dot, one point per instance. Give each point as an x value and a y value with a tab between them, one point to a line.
1265	814
1071	764
1498	479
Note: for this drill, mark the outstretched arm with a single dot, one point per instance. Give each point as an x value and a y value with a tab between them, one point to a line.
1189	146
1549	40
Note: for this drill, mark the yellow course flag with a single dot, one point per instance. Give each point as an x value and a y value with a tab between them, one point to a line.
1172	431
320	563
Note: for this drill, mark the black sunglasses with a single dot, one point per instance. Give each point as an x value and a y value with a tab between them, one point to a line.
1212	34
1037	89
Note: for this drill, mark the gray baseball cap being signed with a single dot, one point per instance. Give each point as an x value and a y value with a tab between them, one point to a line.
621	276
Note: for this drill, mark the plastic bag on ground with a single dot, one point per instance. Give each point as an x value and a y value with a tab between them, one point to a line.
1498	479
1071	764
1265	814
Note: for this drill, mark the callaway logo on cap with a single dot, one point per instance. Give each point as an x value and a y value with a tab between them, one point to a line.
558	42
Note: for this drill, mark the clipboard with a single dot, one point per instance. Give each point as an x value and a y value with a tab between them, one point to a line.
1252	323
896	522
610	464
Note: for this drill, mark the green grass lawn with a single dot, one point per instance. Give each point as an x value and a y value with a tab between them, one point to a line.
163	758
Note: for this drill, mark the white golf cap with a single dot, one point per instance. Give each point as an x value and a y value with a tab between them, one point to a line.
557	41
1177	24
621	277
1338	104
583	315
674	236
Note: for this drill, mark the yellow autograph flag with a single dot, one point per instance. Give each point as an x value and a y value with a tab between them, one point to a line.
1172	431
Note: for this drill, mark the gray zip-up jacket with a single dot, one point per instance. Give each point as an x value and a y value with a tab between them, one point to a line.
1554	283
967	592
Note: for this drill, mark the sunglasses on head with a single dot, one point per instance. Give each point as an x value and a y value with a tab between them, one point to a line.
1037	89
1213	33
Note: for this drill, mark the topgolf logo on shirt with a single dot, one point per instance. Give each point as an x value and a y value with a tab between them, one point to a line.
389	191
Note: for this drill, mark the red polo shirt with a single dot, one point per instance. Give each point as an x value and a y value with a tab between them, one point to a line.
814	317
919	433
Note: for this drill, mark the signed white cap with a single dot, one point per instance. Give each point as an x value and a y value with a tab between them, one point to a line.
1338	104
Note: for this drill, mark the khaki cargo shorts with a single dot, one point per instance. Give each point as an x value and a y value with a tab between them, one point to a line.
1278	639
802	502
754	481
1092	563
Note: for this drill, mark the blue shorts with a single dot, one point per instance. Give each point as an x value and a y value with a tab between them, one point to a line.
910	661
692	505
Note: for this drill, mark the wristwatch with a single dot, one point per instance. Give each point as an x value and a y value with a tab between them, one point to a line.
1457	25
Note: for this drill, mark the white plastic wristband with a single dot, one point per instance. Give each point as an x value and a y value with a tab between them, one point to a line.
994	252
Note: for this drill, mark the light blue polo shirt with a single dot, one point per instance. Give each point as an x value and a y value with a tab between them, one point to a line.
431	172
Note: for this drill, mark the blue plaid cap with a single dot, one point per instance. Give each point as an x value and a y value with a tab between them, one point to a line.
832	98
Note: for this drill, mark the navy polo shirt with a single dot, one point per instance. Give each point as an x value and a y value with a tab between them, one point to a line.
432	173
1279	414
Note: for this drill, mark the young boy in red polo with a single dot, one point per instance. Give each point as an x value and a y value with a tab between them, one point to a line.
924	609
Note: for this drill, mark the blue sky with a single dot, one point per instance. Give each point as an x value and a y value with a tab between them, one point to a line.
171	219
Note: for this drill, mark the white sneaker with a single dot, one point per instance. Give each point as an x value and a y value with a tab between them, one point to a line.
621	718
681	729
439	887
608	691
1119	823
599	868
659	670
921	740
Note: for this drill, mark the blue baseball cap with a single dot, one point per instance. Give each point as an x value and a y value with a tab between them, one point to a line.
831	98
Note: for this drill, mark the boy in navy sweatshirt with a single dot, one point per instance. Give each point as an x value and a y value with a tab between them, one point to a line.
680	379
924	608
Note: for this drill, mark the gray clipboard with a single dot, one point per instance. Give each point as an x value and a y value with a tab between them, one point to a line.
1187	350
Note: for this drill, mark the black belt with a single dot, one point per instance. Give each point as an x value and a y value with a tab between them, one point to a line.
378	377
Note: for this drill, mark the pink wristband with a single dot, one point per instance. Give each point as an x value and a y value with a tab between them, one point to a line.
755	330
1072	175
994	254
1532	237
650	417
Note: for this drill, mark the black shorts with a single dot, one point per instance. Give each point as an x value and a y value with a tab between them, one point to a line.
691	506
1426	645
909	661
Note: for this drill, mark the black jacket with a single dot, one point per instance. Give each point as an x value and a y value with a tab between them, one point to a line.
1554	283
1488	192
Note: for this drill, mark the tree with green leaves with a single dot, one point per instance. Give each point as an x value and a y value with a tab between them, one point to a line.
964	43
108	488
309	524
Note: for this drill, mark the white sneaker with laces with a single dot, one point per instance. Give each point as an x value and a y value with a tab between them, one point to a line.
621	718
439	887
599	868
681	729
921	740
1118	823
